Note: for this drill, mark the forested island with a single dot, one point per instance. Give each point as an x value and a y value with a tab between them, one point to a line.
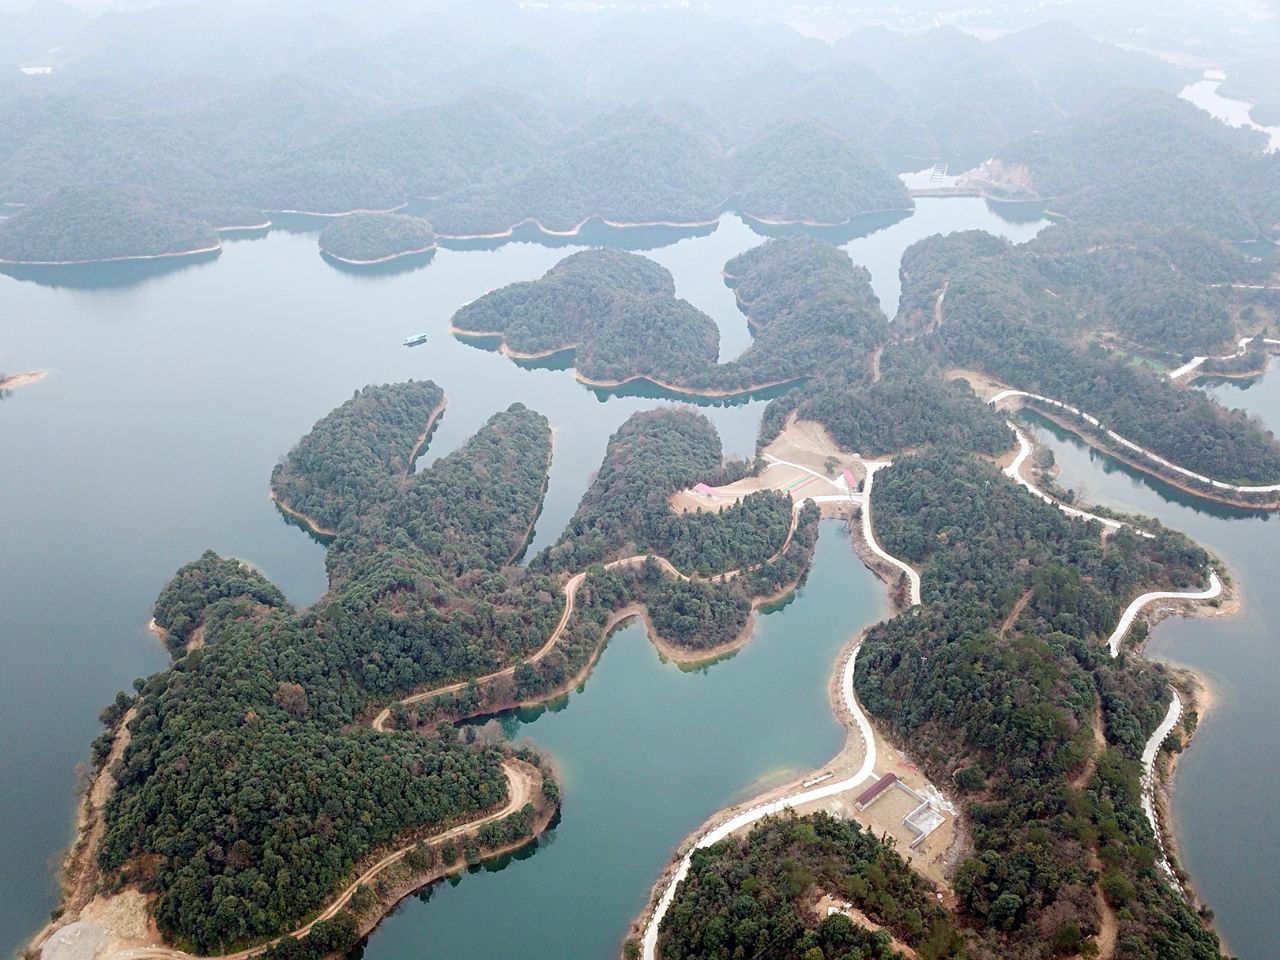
362	239
313	792
264	717
809	307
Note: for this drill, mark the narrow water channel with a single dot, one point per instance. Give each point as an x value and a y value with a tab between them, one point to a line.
1224	789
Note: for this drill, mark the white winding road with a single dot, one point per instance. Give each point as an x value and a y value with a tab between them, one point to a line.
1195	362
869	533
1014	472
1131	612
1149	754
1130	445
649	943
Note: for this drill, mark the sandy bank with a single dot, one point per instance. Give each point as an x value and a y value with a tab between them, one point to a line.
604	384
16	380
339	213
377	260
314	526
577	229
774	220
173	255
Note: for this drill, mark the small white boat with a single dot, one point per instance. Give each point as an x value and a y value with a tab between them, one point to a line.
416	339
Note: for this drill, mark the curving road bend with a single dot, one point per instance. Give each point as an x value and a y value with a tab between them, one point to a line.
1133	447
1014	472
649	943
1149	754
1194	364
571	586
869	533
1131	612
520	790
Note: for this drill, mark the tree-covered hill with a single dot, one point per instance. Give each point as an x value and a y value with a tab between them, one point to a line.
971	98
1003	713
756	895
1155	159
371	237
626	510
563	307
1029	317
1078	71
805	171
88	223
635	166
251	786
810	309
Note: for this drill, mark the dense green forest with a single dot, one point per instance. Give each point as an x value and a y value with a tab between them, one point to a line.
618	310
1155	159
905	410
250	787
1003	319
1005	714
357	454
755	896
253	785
366	237
626	510
634	166
806	171
196	587
810	311
343	122
562	308
260	727
101	223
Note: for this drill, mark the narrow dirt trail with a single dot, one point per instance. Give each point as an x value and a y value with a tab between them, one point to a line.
1015	613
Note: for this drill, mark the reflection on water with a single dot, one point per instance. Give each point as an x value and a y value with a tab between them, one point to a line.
593	233
861	226
104	276
178	387
404	264
648	390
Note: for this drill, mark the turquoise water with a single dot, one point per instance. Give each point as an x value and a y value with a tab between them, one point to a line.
173	391
646	752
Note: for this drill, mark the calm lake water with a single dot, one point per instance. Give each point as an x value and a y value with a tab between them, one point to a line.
170	397
1224	791
1234	113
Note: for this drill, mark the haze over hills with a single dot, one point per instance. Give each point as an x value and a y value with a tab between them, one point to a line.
555	118
1045	233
